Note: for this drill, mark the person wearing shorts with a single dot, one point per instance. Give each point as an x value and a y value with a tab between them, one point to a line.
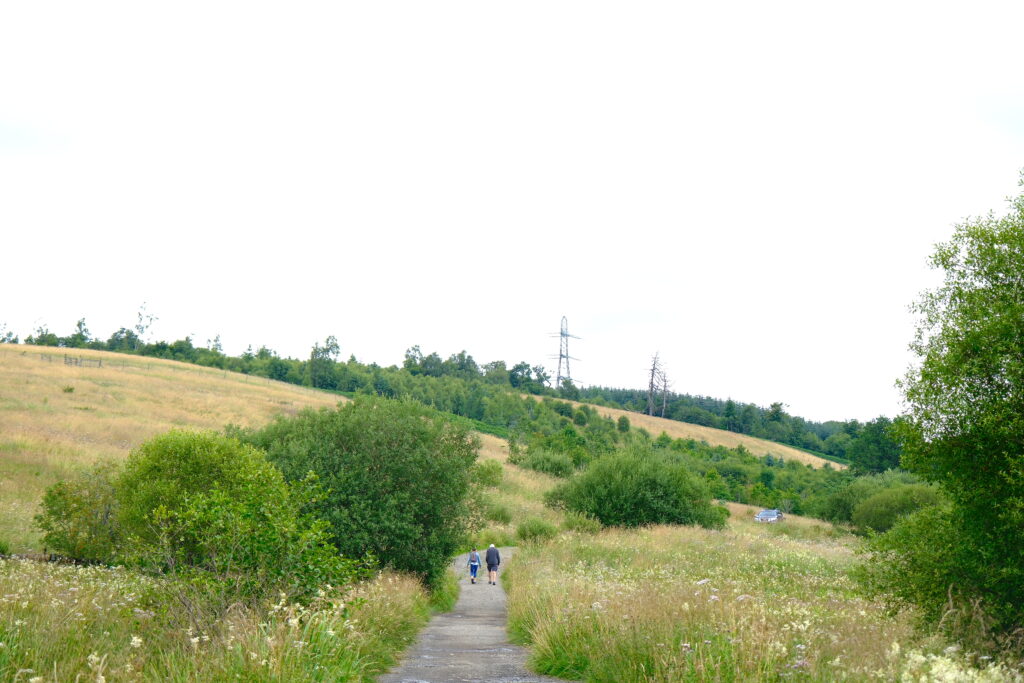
493	558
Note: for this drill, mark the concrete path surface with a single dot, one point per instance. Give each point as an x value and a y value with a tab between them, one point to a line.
469	643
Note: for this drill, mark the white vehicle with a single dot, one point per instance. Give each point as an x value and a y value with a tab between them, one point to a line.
768	516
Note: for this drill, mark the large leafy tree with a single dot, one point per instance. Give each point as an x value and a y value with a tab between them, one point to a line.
875	449
965	429
397	475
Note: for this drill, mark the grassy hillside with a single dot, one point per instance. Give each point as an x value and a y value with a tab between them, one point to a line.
56	417
715	437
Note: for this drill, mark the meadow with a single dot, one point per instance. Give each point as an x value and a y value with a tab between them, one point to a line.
55	418
750	603
73	623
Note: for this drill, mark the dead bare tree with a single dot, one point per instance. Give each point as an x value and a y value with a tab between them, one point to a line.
653	385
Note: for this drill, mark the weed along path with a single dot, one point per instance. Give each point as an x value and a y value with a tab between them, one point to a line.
470	642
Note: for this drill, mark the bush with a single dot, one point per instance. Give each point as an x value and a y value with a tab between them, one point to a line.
398	476
639	486
5	548
882	510
79	516
548	462
839	505
915	562
485	537
496	512
213	508
488	473
533	529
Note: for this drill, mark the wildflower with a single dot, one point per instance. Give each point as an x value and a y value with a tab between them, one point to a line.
194	641
293	622
136	642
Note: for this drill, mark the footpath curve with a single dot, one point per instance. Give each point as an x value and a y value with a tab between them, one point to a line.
470	643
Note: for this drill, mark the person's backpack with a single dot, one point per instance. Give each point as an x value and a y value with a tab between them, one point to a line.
474	557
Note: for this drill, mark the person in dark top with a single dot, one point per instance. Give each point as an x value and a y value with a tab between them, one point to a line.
493	558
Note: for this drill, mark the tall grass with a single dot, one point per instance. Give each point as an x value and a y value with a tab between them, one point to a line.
66	623
46	432
685	604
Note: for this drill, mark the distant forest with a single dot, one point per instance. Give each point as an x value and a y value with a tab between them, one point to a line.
460	385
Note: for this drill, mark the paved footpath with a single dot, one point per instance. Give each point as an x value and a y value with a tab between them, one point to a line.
470	642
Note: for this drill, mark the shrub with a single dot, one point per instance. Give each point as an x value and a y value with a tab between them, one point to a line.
216	510
79	516
639	486
622	424
488	473
398	476
915	562
499	537
882	510
496	512
840	505
5	548
534	529
548	462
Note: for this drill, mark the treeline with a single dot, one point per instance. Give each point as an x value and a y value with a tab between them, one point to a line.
556	438
838	440
460	385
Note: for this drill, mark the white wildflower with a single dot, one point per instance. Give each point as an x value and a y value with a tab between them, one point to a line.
136	642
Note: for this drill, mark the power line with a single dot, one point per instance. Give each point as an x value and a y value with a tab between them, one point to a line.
563	353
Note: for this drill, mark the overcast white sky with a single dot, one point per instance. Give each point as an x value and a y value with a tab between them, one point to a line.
751	189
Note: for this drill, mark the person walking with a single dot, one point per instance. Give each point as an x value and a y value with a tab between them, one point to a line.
493	558
474	565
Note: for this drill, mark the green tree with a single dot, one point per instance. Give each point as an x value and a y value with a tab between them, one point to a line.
730	415
875	449
7	336
398	477
321	371
965	429
43	337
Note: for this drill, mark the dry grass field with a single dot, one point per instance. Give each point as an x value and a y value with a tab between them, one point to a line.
56	417
715	437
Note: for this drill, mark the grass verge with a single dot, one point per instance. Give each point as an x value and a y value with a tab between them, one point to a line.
66	623
686	604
